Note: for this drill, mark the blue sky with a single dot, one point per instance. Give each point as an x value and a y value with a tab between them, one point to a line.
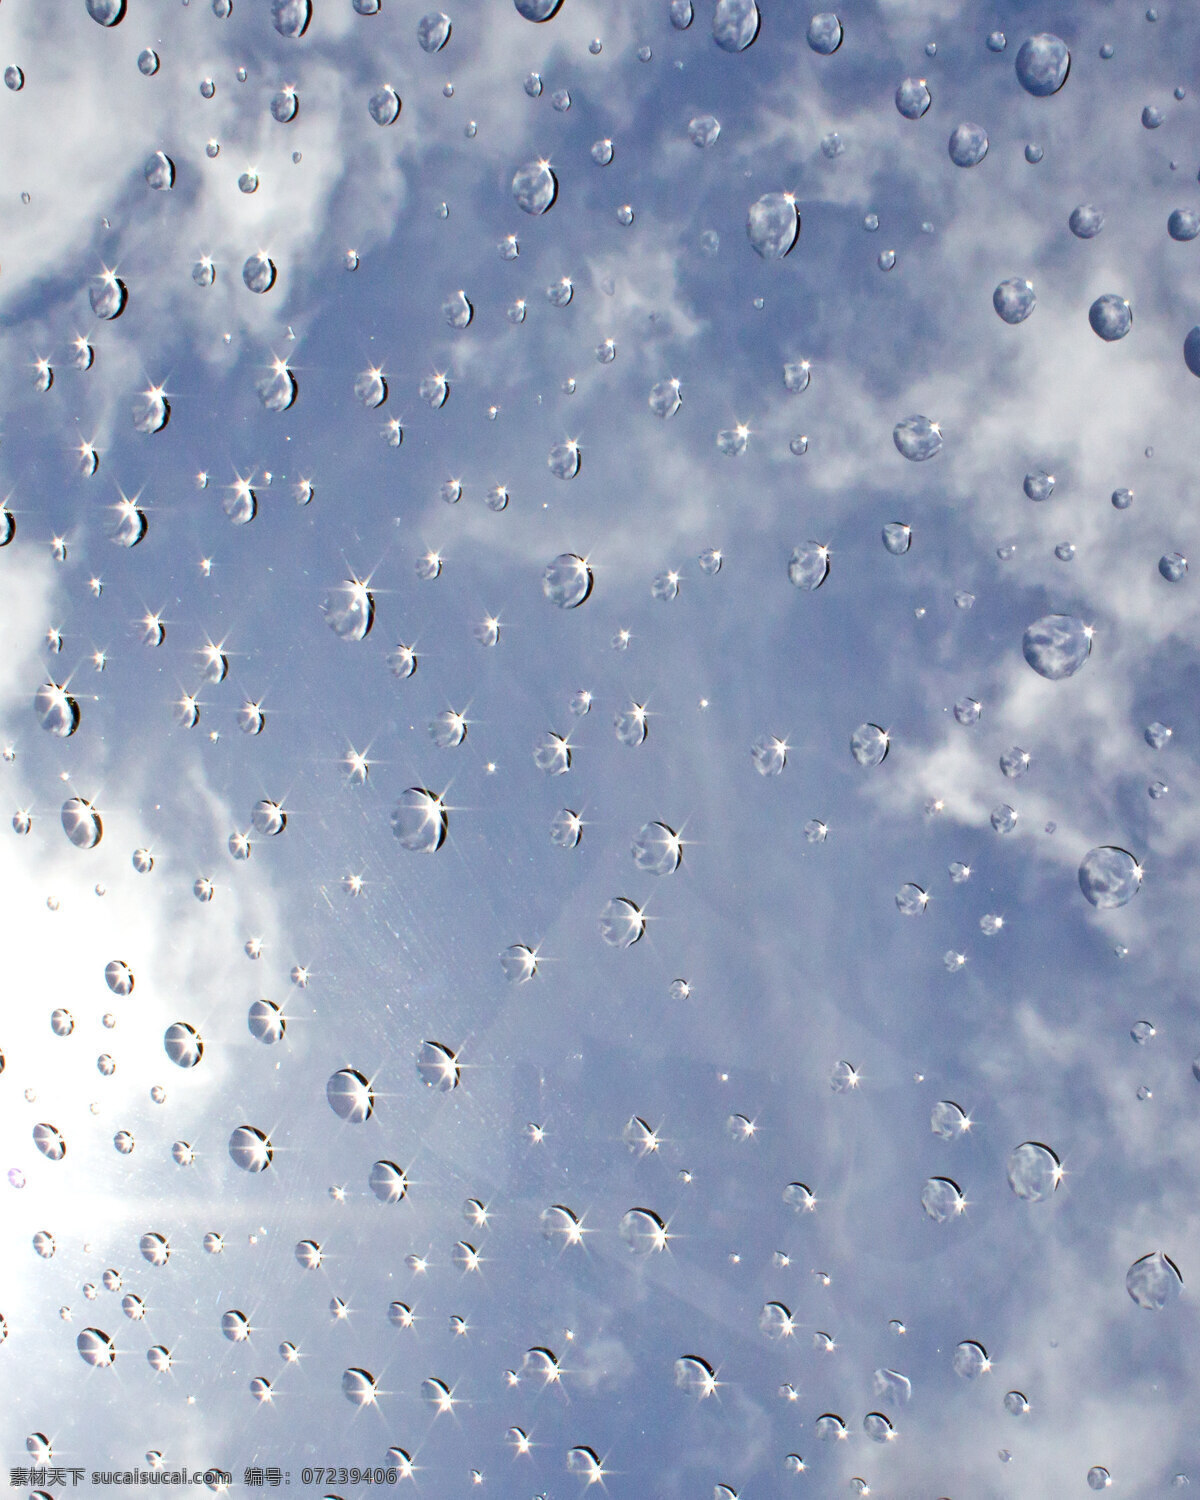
1004	992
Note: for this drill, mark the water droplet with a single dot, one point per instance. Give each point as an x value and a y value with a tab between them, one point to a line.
94	1345
968	144
518	963
1172	566
565	829
1154	1281
420	820
1014	299
913	98
250	1149
911	900
1056	646
1042	64
657	849
183	1044
438	1067
81	823
1111	317
1109	876
695	1377
869	744
349	610
642	1231
917	438
1034	1171
622	923
942	1199
384	105
735	24
773	222
535	187
433	31
703	130
567	581
825	34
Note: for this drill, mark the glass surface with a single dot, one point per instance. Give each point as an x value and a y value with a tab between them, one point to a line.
597	711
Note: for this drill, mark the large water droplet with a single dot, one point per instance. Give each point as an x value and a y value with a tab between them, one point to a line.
1014	299
1056	646
1111	317
349	610
535	187
917	438
438	1067
808	566
1109	876
1153	1281
968	144
183	1044
773	224
94	1345
735	24
1042	64
420	820
622	922
251	1149
81	823
1034	1171
825	33
657	849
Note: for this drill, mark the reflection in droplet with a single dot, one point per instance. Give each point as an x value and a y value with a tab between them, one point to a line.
970	1360
384	105
518	963
57	711
433	31
535	187
773	224
913	98
622	922
388	1182
420	820
1042	64
775	1320
552	754
94	1345
266	1022
917	438
81	823
942	1199
567	581
630	724
183	1044
250	1149
1109	876
735	24
438	1067
1014	299
808	566
825	34
1111	317
1034	1171
349	610
159	171
350	1096
869	744
695	1377
1154	1281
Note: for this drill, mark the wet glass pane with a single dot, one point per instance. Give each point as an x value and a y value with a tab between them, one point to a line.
598	709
